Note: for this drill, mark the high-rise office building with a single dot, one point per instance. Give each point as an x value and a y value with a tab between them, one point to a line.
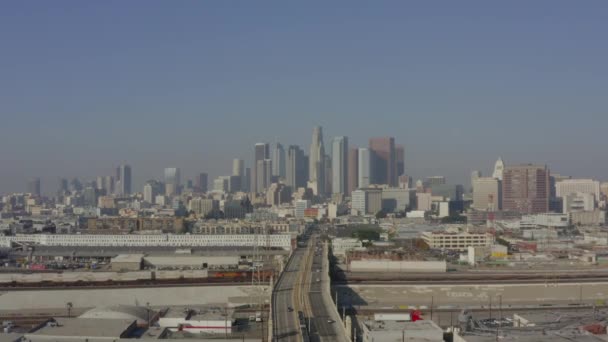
353	169
246	185
202	182
33	186
149	194
125	180
261	152
296	168
339	165
238	167
264	174
383	161
278	161
486	193
172	181
499	169
316	167
572	186
99	183
238	175
62	187
400	159
475	174
525	189
364	168
328	174
108	184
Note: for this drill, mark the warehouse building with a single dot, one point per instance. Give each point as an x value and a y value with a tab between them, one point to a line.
127	262
419	331
191	262
208	320
84	329
159	240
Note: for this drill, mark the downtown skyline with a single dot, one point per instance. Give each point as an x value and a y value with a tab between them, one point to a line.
458	85
50	185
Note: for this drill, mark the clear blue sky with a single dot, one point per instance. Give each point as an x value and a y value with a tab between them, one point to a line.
85	85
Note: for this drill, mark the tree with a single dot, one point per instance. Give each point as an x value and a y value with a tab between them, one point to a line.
381	214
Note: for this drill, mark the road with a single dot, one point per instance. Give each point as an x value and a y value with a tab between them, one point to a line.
325	326
286	324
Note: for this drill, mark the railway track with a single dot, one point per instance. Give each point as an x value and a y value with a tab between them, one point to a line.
474	279
114	285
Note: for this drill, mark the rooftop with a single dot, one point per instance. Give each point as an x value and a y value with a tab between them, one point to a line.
86	327
128	258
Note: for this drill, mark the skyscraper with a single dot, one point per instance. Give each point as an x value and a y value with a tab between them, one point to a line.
172	181
238	167
108	184
316	173
486	193
202	182
62	187
296	168
525	189
238	175
364	168
339	165
353	169
383	161
246	181
125	179
33	186
264	174
261	152
499	168
278	161
400	160
475	174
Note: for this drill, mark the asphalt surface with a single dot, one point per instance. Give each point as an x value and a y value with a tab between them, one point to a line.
324	327
286	324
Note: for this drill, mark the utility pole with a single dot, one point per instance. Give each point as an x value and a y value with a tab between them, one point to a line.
490	307
432	303
500	311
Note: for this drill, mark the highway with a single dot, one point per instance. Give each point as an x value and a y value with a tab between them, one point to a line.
324	323
286	325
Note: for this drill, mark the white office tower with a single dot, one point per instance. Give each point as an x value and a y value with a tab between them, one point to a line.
238	167
573	186
317	162
499	168
364	168
300	208
172	181
148	193
339	164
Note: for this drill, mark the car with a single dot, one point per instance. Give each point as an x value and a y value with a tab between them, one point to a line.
330	321
290	309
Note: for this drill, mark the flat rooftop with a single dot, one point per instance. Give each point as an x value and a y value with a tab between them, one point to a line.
424	325
213	313
85	327
549	337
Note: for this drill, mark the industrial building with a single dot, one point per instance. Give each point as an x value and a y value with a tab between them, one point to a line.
385	330
457	241
127	262
244	240
207	320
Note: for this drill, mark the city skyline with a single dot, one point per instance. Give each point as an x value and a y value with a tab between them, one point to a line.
469	80
50	185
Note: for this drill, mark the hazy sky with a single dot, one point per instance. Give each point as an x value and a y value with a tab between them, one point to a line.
86	85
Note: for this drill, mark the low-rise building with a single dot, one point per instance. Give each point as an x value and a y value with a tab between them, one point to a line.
457	241
210	321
